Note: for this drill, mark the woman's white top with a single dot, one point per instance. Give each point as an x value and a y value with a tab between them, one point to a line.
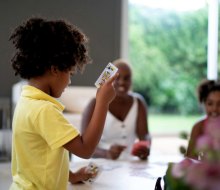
120	132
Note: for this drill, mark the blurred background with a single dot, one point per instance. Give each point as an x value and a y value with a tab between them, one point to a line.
166	42
168	49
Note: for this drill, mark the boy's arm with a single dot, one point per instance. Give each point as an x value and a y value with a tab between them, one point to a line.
85	144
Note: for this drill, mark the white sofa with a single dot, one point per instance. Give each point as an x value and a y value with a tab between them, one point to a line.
74	98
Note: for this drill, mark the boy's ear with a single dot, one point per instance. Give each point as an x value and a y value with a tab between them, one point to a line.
54	70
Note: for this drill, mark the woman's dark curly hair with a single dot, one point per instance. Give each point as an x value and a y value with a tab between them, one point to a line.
41	44
206	87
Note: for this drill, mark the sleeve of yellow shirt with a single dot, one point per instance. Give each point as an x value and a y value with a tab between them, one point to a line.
54	128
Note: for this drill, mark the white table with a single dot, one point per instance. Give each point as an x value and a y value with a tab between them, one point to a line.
130	174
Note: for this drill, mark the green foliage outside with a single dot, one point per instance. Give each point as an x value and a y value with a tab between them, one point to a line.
171	124
168	53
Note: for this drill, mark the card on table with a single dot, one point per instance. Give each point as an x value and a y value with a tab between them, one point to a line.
93	169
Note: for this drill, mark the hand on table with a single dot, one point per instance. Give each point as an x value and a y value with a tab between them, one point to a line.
81	175
115	151
141	149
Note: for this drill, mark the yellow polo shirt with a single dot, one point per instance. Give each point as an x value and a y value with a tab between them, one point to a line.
39	161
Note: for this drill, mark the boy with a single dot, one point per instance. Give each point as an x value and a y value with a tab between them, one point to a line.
48	54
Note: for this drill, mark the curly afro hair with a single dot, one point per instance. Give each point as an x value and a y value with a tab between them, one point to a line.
41	44
206	87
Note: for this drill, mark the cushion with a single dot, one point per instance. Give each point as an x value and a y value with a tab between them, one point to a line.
76	98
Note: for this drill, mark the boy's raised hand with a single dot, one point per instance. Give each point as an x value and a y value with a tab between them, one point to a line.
106	93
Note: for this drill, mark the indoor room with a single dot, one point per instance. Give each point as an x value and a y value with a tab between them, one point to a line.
164	52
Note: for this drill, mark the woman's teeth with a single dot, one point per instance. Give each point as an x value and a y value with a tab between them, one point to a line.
121	88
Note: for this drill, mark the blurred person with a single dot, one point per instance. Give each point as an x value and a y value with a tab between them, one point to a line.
126	120
209	96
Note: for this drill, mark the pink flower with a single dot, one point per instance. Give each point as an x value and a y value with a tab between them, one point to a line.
213	127
204	176
205	142
179	169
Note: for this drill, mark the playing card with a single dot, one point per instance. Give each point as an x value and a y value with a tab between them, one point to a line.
94	169
108	72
